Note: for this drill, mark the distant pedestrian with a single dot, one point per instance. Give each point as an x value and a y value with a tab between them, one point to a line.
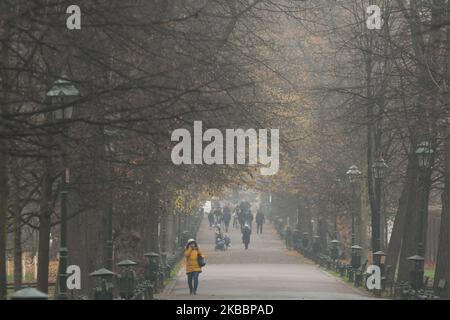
260	220
235	219
236	216
211	218
241	217
193	268
249	218
226	217
246	232
218	216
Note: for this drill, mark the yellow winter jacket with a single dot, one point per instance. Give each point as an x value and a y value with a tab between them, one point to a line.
191	260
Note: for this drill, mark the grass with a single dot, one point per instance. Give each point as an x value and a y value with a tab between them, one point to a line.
344	279
175	270
173	273
429	272
29	277
337	275
29	280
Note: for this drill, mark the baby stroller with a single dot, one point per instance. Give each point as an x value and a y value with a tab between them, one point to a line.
220	244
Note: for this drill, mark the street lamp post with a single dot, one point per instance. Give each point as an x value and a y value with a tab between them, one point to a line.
109	243
378	170
335	249
353	175
316	245
356	256
336	186
424	153
61	91
152	269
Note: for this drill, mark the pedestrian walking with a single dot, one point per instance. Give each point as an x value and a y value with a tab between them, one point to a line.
226	217
194	264
246	232
218	216
249	218
235	219
241	218
236	216
260	220
211	219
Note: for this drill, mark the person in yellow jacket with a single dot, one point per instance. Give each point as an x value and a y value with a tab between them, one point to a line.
193	268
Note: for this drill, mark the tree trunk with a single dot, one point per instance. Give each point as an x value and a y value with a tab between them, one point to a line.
383	228
3	217
362	219
416	204
153	239
322	230
4	103
443	255
44	228
408	244
106	169
417	209
17	239
164	231
152	208
395	241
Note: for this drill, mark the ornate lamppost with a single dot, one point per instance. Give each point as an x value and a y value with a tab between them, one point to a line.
354	175
378	170
61	95
424	154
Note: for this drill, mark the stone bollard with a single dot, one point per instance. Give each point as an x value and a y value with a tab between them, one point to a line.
127	279
105	291
152	271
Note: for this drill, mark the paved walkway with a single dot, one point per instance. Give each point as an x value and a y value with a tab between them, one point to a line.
267	271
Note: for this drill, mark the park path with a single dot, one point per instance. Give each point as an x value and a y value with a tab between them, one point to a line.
267	271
